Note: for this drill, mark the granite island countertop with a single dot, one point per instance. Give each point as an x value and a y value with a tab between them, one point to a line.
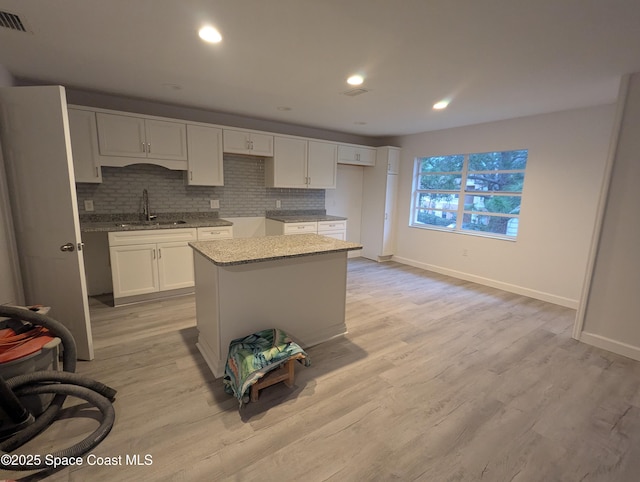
230	252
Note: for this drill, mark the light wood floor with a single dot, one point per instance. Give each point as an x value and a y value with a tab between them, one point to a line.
437	380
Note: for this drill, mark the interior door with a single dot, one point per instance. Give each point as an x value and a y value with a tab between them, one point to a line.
34	128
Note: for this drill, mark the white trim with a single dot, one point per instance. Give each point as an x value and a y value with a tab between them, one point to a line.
511	288
608	344
602	204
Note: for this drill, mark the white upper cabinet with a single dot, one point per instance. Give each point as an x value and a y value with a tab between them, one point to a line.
130	136
246	142
301	163
288	167
393	161
205	156
84	146
322	164
358	155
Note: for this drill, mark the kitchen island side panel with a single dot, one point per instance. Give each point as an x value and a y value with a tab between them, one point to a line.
304	296
207	313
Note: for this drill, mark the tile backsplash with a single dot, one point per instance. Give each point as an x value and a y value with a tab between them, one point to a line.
243	193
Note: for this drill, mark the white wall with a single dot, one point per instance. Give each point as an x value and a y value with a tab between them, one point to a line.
10	281
567	158
613	305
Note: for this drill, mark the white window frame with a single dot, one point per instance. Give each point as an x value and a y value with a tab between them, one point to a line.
462	192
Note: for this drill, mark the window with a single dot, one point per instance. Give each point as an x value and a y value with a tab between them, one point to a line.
478	193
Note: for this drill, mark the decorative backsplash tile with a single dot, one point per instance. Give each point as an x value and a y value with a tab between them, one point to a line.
243	193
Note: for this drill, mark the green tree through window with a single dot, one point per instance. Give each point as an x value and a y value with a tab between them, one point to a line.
490	185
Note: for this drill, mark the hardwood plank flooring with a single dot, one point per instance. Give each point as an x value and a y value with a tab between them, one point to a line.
438	379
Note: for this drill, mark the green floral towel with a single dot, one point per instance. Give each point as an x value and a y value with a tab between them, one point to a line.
252	357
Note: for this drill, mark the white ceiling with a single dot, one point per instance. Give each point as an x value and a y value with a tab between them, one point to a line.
496	59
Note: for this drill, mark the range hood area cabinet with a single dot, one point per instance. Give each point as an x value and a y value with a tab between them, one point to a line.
125	136
248	142
302	163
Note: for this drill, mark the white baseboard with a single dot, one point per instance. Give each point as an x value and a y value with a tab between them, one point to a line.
511	288
608	344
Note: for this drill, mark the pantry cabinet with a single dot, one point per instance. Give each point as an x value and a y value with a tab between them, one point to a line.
380	186
205	156
247	142
139	137
84	146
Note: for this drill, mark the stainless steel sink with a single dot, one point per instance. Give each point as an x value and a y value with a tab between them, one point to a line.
149	223
171	223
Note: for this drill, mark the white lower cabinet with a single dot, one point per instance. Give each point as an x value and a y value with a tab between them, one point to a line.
175	266
149	261
211	233
155	260
134	270
332	229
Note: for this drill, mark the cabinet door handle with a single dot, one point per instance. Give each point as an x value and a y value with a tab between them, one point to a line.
191	175
144	147
97	172
154	254
148	147
159	253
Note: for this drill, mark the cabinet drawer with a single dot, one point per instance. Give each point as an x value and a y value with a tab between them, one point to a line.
300	228
215	232
122	238
331	226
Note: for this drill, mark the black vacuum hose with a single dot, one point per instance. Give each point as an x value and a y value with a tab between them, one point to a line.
61	384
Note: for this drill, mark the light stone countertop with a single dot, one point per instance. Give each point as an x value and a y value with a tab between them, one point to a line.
108	226
304	218
228	252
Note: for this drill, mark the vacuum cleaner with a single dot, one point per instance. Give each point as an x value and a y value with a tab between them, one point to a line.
30	402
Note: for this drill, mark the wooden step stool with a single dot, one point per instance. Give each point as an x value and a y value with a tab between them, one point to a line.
284	374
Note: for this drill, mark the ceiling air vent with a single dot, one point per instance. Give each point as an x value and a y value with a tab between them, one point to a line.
11	21
354	92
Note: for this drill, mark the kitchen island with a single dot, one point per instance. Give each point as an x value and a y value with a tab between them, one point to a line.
296	283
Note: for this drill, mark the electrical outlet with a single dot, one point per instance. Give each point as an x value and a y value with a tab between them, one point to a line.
215	203
88	205
278	204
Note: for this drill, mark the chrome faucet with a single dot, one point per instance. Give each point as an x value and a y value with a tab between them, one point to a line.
145	206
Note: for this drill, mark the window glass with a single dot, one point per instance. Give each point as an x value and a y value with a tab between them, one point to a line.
479	192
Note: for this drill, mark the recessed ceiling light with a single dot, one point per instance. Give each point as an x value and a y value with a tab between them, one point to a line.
360	123
441	105
210	34
283	108
355	80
